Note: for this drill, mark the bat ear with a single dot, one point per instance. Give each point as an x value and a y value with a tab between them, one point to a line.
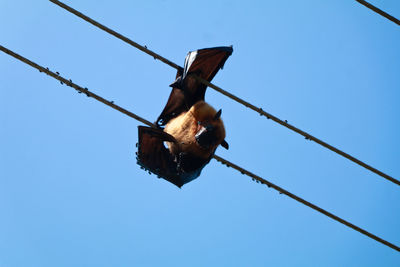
225	144
217	115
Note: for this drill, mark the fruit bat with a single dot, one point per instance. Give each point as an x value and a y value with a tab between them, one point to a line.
190	127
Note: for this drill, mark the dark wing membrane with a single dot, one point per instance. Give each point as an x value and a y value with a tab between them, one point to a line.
204	63
176	104
190	166
186	89
154	157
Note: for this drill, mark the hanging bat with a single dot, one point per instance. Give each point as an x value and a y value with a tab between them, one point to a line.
190	127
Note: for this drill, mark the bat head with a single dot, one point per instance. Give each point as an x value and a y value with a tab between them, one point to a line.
210	131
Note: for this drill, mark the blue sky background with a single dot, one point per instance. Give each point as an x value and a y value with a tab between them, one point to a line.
71	193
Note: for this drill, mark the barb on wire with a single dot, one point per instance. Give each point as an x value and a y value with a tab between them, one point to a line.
221	160
379	11
220	90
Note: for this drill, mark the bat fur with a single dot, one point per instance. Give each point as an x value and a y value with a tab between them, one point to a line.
193	128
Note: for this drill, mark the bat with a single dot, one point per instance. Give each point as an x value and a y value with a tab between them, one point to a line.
191	128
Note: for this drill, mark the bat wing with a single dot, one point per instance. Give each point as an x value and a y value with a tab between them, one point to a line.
186	90
154	157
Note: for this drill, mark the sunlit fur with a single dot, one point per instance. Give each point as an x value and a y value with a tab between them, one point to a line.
186	125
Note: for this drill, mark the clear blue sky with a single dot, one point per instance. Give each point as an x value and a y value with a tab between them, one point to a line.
71	193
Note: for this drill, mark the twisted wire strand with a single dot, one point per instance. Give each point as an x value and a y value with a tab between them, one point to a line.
218	158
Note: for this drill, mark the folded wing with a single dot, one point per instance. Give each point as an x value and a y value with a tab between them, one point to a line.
187	90
154	157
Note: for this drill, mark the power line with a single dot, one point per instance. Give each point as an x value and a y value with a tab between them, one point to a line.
221	160
305	202
226	93
379	11
75	86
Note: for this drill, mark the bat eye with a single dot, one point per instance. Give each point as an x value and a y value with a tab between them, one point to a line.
199	122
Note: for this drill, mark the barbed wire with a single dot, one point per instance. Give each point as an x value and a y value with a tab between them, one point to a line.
306	135
257	178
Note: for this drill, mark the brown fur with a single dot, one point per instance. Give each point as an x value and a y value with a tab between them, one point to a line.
185	126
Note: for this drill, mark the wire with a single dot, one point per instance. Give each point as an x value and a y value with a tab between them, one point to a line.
75	86
221	160
379	11
305	202
222	91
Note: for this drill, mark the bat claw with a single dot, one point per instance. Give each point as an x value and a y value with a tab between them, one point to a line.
177	83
